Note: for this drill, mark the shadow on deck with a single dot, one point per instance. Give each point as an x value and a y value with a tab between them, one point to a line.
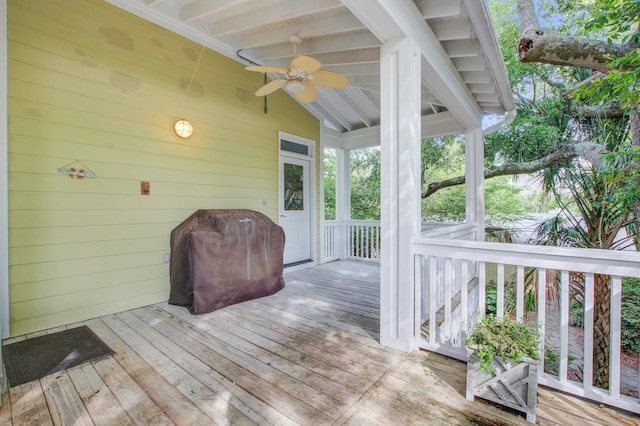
306	355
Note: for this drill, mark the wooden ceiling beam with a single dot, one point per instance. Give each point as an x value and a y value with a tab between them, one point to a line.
288	9
431	9
334	24
203	8
316	46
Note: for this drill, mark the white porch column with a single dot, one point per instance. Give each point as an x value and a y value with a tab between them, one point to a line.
400	193
343	198
474	156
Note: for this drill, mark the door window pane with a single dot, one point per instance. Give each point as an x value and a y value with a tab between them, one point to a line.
293	187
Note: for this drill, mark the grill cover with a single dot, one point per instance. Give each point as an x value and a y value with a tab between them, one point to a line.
222	257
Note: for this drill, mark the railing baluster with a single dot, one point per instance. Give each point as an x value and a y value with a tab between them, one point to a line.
482	287
587	374
449	279
425	283
615	336
464	310
564	325
355	240
432	299
500	292
378	242
520	293
541	305
335	236
417	285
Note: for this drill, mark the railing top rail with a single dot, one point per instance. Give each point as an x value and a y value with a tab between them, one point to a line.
363	222
434	225
611	262
450	229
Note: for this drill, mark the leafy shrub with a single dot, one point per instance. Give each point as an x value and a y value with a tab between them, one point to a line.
491	297
504	338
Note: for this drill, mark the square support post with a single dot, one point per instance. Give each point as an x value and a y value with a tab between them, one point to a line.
343	198
400	192
474	156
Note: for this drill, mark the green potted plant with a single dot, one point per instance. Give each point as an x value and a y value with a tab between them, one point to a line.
503	363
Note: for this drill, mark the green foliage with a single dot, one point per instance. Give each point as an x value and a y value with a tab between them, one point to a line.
621	170
529	299
631	314
614	21
491	298
551	361
504	338
590	219
445	158
329	184
365	184
532	78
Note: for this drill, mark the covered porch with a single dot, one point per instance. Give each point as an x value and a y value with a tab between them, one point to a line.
308	355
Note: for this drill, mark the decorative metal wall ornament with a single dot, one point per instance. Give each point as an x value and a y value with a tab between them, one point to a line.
77	169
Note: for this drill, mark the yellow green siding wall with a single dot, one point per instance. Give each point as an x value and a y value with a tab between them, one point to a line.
90	82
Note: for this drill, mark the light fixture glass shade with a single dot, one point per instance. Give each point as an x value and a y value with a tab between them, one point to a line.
182	128
295	86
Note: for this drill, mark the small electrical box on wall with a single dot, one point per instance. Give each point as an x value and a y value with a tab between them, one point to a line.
145	188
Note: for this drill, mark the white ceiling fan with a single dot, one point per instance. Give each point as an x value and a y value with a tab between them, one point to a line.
300	77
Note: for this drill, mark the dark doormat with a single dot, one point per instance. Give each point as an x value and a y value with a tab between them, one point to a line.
35	358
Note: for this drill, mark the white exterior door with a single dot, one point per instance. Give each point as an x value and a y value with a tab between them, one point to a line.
295	208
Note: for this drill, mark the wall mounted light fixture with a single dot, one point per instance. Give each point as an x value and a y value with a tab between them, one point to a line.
182	128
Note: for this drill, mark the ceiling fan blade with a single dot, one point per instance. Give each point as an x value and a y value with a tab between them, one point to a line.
273	70
309	93
329	79
306	63
271	86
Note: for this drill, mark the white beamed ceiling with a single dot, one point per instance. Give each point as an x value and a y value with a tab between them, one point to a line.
260	29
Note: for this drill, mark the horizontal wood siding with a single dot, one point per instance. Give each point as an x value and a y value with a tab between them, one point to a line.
90	82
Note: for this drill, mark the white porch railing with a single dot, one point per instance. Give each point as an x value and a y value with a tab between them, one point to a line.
363	240
451	282
352	239
462	231
331	241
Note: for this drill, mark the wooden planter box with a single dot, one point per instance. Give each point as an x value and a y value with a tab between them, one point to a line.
512	385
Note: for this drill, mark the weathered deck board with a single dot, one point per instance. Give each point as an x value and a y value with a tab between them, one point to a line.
102	406
170	400
201	396
28	405
5	410
65	405
307	355
131	397
226	390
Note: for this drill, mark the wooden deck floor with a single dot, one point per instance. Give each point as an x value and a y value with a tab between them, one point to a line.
307	355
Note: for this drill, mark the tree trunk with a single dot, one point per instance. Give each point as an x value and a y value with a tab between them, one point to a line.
601	330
